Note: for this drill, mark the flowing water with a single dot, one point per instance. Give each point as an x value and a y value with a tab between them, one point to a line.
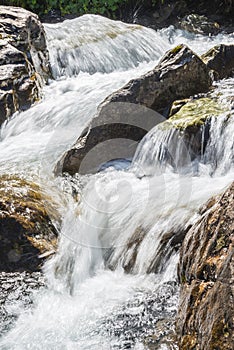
125	220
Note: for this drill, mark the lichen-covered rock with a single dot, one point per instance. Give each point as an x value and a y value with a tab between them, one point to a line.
24	60
199	24
180	74
206	272
192	124
220	59
194	114
27	233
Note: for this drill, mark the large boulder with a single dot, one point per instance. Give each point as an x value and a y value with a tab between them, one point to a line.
130	112
220	59
27	231
179	74
206	267
194	113
24	60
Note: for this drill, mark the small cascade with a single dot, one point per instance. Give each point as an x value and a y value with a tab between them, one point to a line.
80	253
162	148
93	44
219	153
165	146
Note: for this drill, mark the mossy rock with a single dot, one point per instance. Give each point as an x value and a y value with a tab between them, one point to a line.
194	114
27	232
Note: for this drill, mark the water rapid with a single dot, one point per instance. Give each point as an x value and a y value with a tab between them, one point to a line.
112	283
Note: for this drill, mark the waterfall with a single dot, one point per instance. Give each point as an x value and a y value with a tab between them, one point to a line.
167	147
86	44
113	280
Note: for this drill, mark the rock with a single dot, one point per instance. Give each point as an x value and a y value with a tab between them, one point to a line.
199	24
27	232
191	125
220	59
24	60
17	90
206	272
104	141
129	112
194	113
179	74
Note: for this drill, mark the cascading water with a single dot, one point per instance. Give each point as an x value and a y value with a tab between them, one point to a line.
122	221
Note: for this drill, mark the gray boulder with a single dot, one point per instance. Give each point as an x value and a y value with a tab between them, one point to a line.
24	60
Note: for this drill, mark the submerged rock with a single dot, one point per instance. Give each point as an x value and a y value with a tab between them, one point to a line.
27	233
129	113
24	60
199	24
205	317
220	59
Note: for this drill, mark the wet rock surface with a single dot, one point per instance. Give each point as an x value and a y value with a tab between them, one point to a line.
24	60
27	234
199	24
180	74
16	291
194	113
220	59
205	317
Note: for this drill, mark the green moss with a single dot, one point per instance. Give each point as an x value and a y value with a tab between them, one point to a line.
176	49
194	114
